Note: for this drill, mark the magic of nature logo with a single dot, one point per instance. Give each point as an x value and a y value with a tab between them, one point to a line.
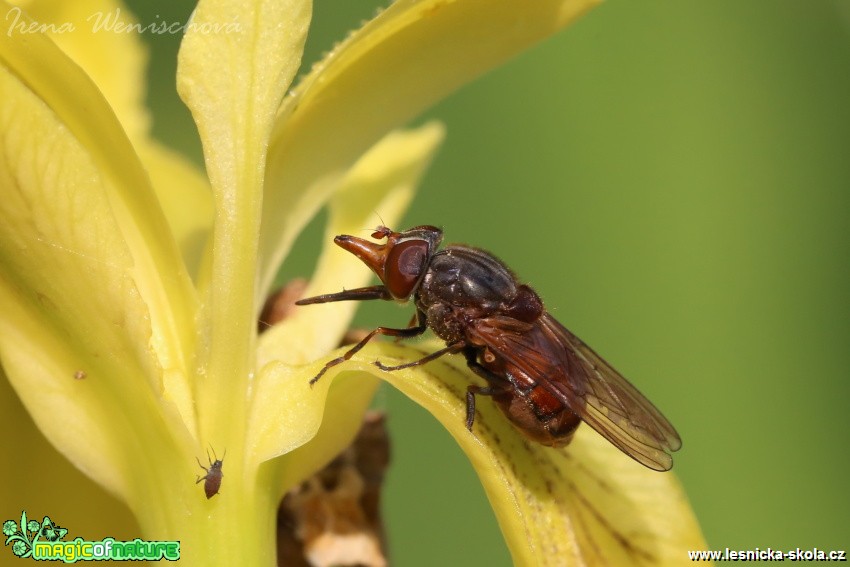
45	541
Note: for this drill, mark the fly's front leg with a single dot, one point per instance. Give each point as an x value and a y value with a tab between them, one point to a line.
386	331
415	321
359	294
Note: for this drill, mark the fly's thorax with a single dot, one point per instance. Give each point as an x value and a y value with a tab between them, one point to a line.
466	277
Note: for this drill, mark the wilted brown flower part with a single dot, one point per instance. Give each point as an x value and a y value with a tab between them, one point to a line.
334	517
280	303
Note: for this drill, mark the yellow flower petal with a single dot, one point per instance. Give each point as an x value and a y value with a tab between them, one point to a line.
287	411
96	412
235	63
102	37
348	398
93	34
407	58
383	179
42	479
60	241
65	90
184	194
587	504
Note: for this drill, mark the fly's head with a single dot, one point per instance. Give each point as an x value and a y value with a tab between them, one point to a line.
401	261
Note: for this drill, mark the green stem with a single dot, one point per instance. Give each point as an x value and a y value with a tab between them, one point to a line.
232	308
234	527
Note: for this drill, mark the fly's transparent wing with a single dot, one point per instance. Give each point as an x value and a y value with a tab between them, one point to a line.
559	361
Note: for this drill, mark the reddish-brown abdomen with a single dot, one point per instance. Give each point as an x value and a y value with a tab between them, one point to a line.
539	414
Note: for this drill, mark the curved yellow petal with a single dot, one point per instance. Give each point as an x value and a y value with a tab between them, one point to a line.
104	38
42	479
234	66
587	504
95	411
62	247
156	267
184	194
348	398
94	33
76	334
407	58
287	411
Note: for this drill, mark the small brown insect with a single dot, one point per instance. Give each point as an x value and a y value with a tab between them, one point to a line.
214	475
544	379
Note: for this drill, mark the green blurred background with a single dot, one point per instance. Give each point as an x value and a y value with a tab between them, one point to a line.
674	179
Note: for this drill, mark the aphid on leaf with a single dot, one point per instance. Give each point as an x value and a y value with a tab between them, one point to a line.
212	480
544	378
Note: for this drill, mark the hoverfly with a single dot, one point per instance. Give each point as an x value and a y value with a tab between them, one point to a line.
543	377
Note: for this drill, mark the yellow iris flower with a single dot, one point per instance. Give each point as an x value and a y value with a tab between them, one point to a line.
130	282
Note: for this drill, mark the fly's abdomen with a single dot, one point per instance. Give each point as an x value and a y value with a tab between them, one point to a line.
538	413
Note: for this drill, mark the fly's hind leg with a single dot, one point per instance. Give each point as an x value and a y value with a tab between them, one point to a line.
495	384
471	392
451	349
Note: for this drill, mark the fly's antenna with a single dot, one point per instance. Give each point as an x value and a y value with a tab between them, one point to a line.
382	225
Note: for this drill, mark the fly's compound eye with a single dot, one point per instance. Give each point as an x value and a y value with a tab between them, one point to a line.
404	266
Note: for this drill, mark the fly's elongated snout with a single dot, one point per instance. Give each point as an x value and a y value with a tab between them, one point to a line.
370	253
